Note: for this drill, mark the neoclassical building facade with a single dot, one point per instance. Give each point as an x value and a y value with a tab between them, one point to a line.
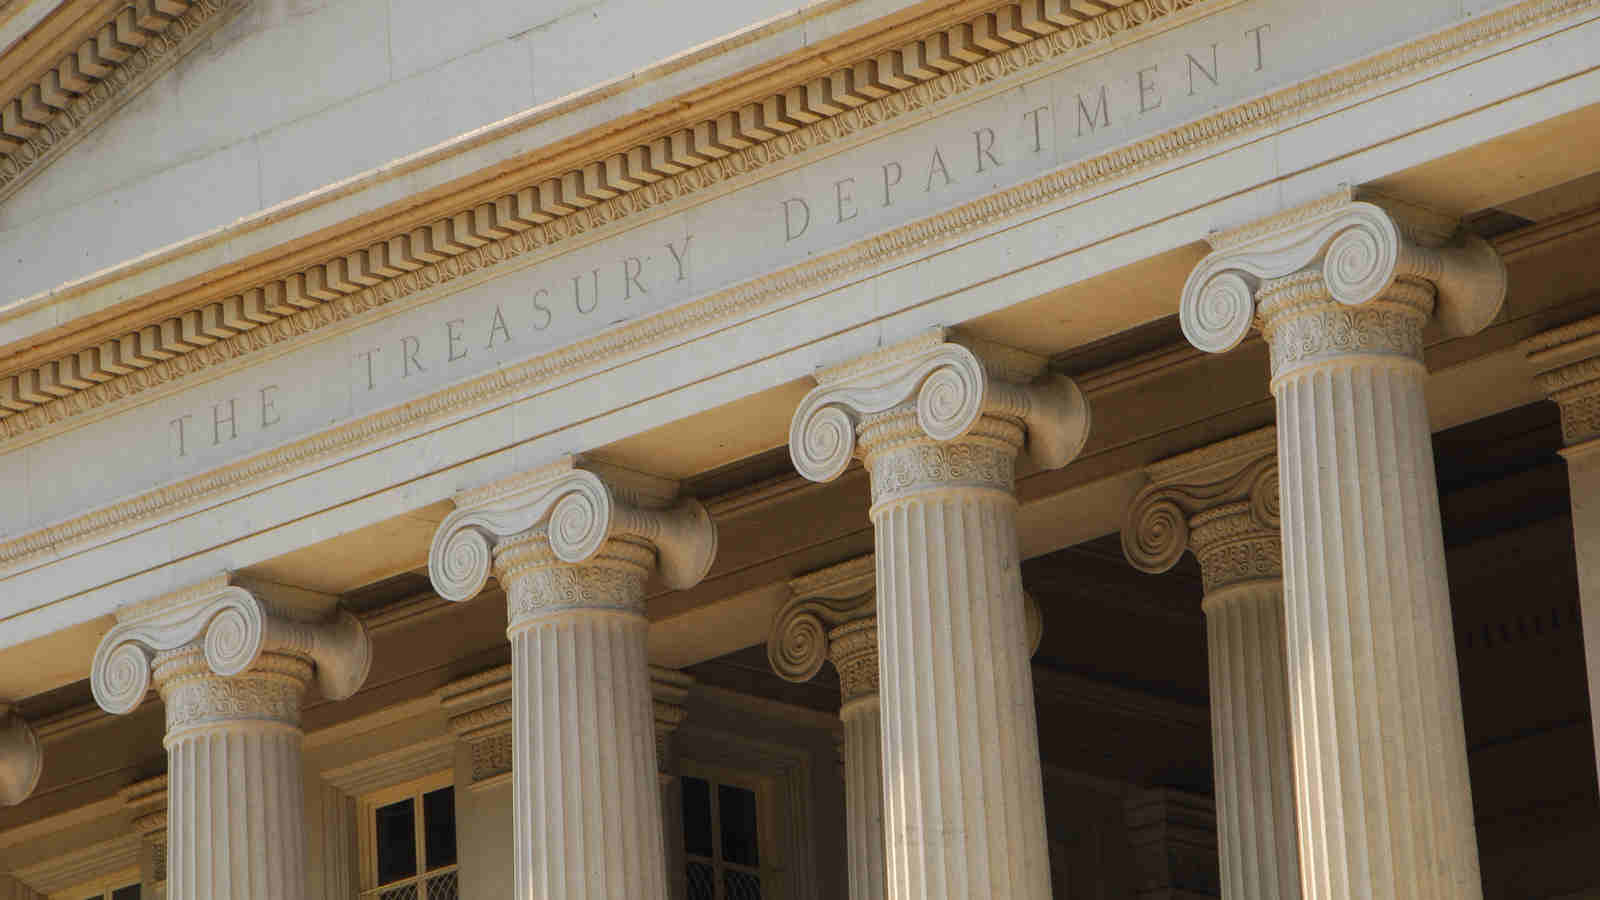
870	449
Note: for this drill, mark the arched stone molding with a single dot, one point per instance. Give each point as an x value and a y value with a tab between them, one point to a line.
1341	290
938	421
232	666
1221	503
21	757
572	544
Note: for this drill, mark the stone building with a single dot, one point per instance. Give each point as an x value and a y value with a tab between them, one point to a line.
947	450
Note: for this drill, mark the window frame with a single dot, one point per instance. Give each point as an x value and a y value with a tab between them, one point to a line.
764	786
368	808
100	888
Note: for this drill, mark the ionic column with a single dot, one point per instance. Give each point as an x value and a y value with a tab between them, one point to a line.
21	759
573	551
232	671
939	424
1221	502
833	616
1342	289
1568	367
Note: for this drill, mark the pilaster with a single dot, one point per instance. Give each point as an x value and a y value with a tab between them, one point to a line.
1342	289
479	710
21	757
231	665
572	544
1221	503
1566	362
938	421
669	691
146	805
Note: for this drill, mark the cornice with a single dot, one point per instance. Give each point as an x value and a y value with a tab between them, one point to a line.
123	54
83	396
64	871
1566	364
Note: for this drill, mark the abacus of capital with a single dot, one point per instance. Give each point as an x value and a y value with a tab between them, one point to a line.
573	550
1221	503
1341	289
939	420
232	668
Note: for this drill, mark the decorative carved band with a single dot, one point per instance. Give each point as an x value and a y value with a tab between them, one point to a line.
1347	249
560	516
479	707
123	56
949	390
230	629
1221	502
1290	103
21	758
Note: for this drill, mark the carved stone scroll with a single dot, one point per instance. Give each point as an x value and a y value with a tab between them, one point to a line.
21	758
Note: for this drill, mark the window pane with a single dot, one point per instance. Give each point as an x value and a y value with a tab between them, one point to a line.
409	892
743	886
131	892
439	825
397	841
696	816
701	885
738	809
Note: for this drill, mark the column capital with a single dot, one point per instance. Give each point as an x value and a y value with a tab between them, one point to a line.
1353	248
944	384
568	513
1221	502
219	628
833	615
1566	363
21	757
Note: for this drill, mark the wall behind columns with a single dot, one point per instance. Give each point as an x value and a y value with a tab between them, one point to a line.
293	95
332	840
483	832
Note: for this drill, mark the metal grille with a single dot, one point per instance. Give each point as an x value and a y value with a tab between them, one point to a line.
442	887
702	884
742	885
437	885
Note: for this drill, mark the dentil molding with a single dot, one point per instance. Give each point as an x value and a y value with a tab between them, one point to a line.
227	331
580	513
1353	249
120	58
951	381
21	758
232	629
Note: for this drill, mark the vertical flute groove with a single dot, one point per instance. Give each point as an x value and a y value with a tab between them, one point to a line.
1385	805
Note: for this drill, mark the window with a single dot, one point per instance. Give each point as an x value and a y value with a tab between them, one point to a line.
727	836
408	841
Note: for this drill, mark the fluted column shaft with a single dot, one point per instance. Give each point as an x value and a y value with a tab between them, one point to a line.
586	798
854	650
963	792
1385	807
236	808
1253	758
